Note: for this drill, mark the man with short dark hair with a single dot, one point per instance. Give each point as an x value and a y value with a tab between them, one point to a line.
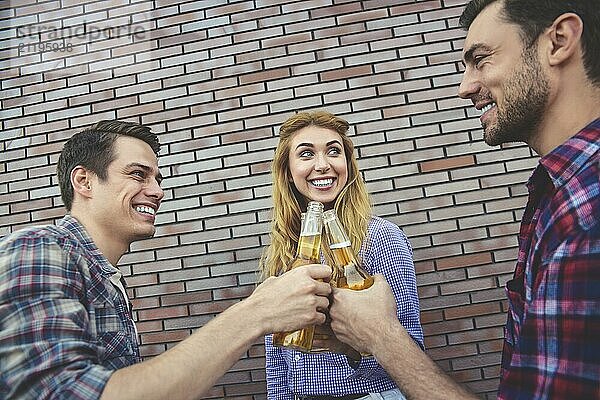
533	69
66	328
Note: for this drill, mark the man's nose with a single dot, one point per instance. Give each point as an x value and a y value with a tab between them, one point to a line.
469	85
153	189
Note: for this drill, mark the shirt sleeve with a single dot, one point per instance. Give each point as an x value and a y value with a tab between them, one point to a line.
45	345
557	352
276	372
391	255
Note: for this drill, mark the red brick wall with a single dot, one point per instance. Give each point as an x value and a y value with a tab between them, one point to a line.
215	79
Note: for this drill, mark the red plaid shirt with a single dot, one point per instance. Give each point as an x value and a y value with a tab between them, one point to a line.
552	338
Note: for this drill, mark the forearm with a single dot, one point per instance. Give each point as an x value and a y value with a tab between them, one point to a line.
192	367
421	379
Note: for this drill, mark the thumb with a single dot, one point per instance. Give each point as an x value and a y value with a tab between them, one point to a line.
319	271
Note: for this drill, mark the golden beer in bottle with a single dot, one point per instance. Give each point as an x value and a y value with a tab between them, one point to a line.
348	272
307	252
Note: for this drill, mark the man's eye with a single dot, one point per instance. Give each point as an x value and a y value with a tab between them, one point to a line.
477	60
138	173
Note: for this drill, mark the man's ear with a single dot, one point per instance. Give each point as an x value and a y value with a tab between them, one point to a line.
81	180
564	38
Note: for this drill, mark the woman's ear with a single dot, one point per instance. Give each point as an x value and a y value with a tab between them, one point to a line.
81	181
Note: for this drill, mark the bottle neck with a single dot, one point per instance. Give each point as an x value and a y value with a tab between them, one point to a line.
339	243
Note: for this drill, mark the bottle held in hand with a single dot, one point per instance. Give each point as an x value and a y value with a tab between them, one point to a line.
307	252
348	272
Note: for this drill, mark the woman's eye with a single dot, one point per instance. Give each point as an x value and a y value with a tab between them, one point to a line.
335	151
306	153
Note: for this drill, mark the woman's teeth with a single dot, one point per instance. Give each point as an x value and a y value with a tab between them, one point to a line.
322	182
145	210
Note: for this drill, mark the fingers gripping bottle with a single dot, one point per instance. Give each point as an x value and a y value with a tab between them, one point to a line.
307	252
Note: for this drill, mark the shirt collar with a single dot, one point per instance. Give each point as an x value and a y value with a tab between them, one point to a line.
74	227
564	161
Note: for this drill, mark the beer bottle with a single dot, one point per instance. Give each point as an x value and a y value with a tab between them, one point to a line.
307	252
348	272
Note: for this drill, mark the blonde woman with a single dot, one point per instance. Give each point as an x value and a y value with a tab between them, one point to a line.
314	161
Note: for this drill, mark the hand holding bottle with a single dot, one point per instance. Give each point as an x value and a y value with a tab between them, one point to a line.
357	317
293	300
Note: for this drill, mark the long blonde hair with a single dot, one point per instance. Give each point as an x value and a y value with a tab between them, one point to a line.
352	205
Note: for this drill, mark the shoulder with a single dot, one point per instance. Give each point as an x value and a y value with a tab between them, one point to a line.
49	234
575	205
386	248
38	244
382	232
571	217
39	259
378	226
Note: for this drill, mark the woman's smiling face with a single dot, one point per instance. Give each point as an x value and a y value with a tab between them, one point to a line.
317	164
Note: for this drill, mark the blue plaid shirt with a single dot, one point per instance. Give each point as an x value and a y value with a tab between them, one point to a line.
65	325
386	251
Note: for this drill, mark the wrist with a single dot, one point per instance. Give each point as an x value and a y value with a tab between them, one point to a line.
390	331
248	316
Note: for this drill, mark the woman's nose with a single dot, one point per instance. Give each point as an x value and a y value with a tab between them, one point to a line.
322	165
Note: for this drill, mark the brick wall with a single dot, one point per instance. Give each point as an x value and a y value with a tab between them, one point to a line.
215	79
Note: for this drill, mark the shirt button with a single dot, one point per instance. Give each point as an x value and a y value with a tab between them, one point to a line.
297	357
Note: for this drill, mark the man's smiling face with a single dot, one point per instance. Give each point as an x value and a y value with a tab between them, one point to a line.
126	202
503	79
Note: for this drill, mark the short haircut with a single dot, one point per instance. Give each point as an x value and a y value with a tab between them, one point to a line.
534	16
93	149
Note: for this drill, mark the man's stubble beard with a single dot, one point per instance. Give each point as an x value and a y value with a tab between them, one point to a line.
526	95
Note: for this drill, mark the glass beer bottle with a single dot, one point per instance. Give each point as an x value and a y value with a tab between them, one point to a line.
348	271
307	252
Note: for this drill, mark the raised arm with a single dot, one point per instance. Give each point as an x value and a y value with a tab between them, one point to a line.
367	321
193	366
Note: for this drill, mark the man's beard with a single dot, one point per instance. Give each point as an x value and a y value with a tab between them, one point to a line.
525	100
